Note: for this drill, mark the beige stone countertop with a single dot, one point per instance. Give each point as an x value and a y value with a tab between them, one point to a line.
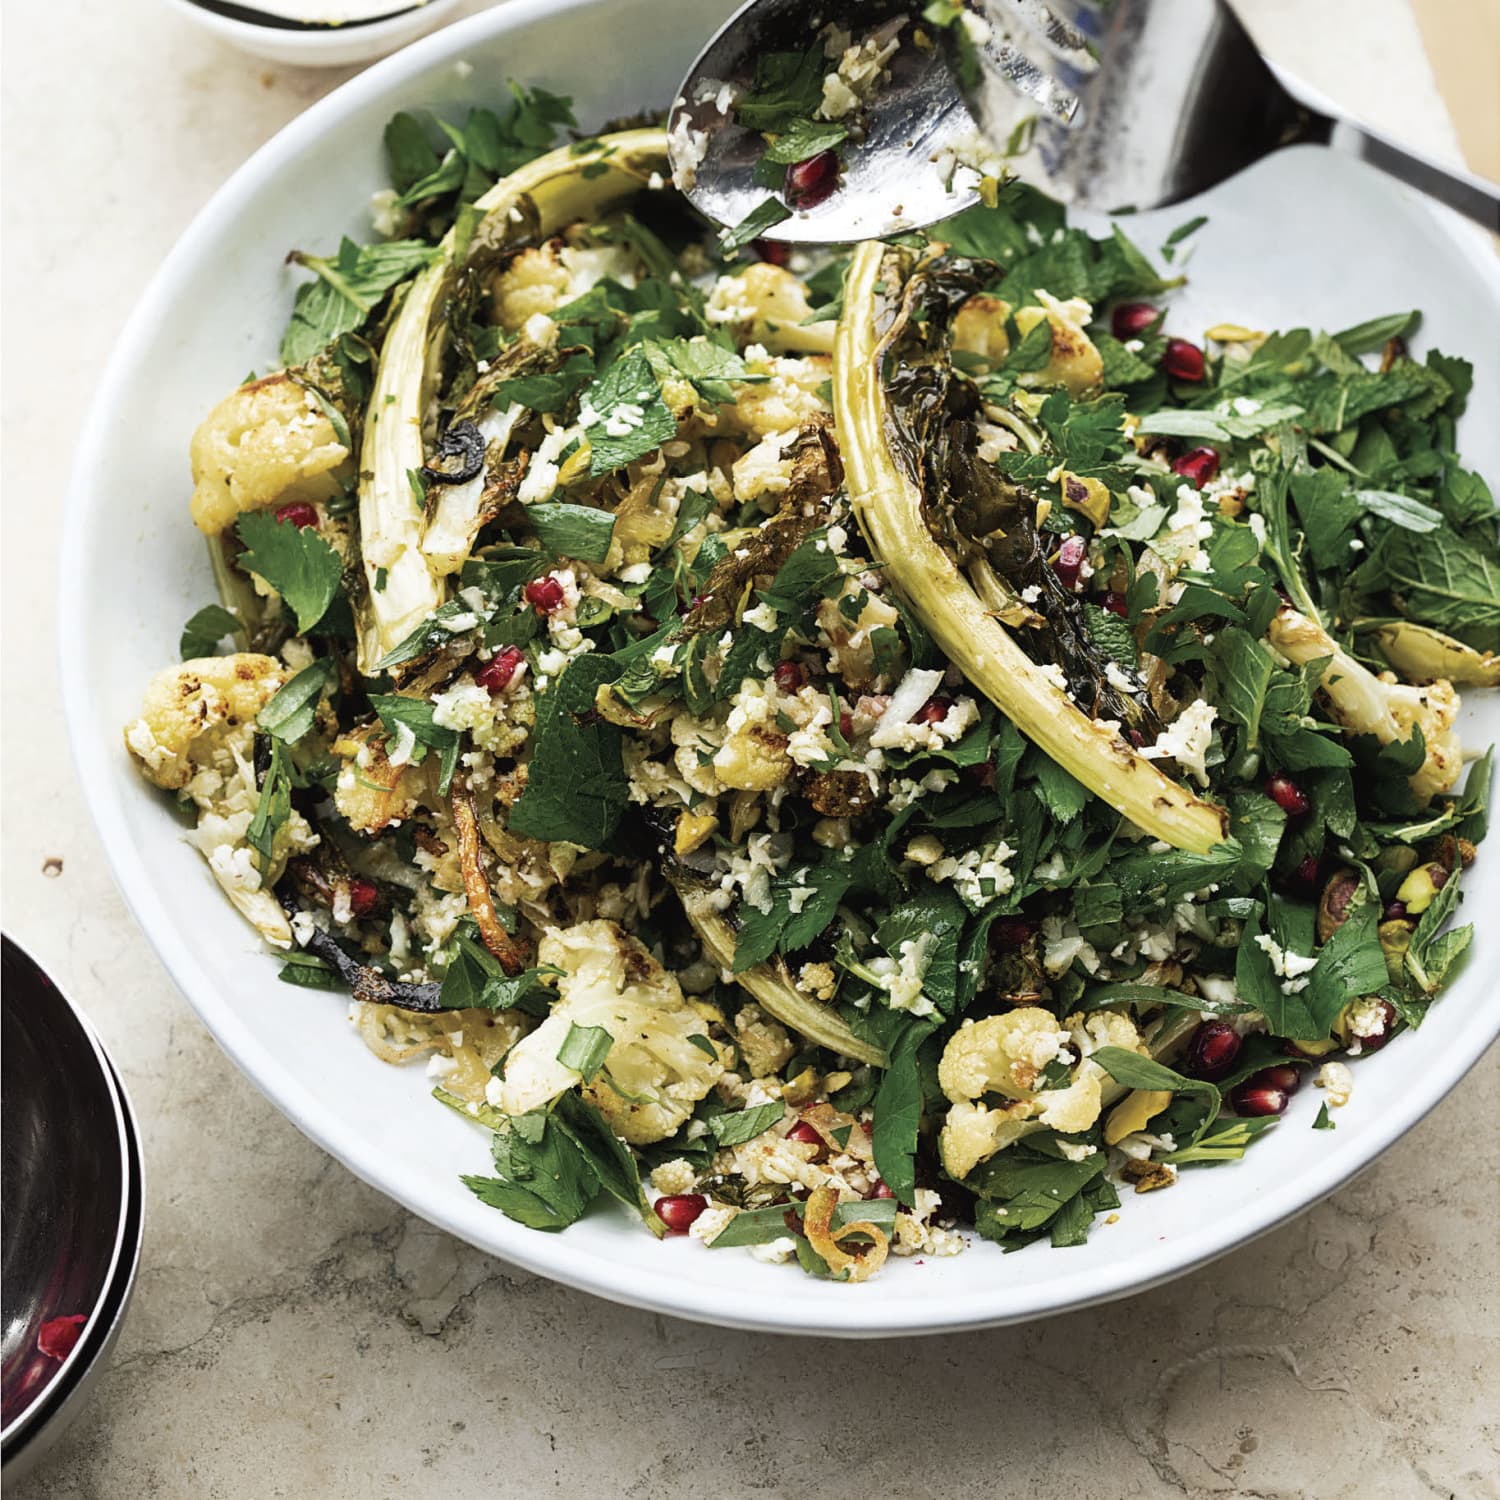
296	1334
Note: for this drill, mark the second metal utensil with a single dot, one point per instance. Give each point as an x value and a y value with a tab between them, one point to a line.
1127	104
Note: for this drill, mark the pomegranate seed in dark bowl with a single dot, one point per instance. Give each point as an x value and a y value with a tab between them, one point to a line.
1212	1050
1198	466
679	1211
1131	319
1183	361
809	182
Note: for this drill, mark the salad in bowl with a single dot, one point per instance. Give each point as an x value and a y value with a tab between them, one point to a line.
847	755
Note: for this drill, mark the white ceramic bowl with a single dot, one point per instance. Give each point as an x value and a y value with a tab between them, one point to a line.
1306	237
324	46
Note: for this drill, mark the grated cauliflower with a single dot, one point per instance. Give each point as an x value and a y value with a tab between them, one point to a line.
264	445
657	1068
769	305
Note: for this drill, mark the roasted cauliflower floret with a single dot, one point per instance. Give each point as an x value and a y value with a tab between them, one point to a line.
266	444
789	398
753	757
768	305
1004	1054
196	736
1074	362
536	281
764	1044
851	642
979	330
661	1061
973	1133
1008	1055
1366	704
195	713
371	792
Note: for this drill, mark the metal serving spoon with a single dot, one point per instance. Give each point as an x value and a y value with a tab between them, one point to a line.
1109	105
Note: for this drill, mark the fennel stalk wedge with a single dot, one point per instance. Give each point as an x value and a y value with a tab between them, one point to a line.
889	506
403	586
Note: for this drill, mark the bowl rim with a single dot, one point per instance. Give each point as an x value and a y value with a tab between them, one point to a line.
64	1404
70	1370
317	43
841	1315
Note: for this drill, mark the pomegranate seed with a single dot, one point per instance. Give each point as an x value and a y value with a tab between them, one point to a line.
846	723
1183	361
934	710
1135	737
809	182
1306	874
1069	561
1257	1100
500	670
1010	932
1395	911
1131	319
1212	1050
1285	1077
1199	465
679	1210
1115	603
880	1190
57	1336
776	252
299	513
982	775
1288	796
545	594
364	896
791	676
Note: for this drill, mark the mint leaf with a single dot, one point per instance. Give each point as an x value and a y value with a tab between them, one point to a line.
763	216
584	1049
576	788
801	138
203	632
711	367
630	419
349	286
289	715
294	560
576	531
273	808
745	1124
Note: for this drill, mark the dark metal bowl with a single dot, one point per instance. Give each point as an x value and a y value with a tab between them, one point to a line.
71	1193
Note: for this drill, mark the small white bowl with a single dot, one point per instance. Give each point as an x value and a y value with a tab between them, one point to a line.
322	46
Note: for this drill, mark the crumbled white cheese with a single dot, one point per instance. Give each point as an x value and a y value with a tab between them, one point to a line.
1186	740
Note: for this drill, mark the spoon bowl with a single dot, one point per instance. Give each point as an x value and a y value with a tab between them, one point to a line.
902	173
